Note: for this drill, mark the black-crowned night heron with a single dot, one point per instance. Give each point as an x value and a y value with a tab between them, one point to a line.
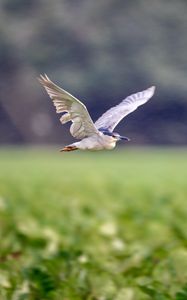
98	135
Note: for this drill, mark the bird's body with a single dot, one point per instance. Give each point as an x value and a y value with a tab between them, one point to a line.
95	142
98	135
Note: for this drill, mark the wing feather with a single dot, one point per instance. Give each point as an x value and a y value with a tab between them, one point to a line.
73	109
110	119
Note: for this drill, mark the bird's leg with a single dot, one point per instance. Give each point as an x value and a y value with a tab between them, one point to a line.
68	148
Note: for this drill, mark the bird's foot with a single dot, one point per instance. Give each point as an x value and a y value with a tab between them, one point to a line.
68	148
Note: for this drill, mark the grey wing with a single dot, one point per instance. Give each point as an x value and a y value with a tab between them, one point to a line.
75	111
113	116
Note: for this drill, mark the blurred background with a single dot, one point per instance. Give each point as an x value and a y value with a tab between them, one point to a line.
64	219
100	51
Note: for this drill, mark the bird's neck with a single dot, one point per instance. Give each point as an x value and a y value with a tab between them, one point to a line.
109	141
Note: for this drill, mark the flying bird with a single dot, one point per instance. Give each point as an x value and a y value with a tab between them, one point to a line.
98	135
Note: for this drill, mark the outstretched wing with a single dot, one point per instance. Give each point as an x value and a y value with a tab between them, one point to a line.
75	111
113	116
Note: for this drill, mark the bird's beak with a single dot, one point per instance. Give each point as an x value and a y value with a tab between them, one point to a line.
124	138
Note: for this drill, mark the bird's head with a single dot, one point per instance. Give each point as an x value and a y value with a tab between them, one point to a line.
116	136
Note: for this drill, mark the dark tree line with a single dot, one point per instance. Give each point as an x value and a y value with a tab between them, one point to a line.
101	51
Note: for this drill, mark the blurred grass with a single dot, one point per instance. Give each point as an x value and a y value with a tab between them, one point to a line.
104	225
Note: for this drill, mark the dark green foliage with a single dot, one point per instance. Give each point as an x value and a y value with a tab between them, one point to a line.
182	294
42	283
154	293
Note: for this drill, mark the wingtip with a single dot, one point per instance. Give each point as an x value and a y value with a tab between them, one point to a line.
42	78
46	77
152	88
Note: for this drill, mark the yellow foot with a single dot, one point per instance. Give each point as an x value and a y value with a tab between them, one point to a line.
69	148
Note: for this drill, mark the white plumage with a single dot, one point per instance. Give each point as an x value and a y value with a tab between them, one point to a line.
96	136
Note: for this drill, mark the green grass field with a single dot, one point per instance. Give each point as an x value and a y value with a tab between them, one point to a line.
93	226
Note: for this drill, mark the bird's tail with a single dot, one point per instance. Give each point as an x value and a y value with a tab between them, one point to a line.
69	148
